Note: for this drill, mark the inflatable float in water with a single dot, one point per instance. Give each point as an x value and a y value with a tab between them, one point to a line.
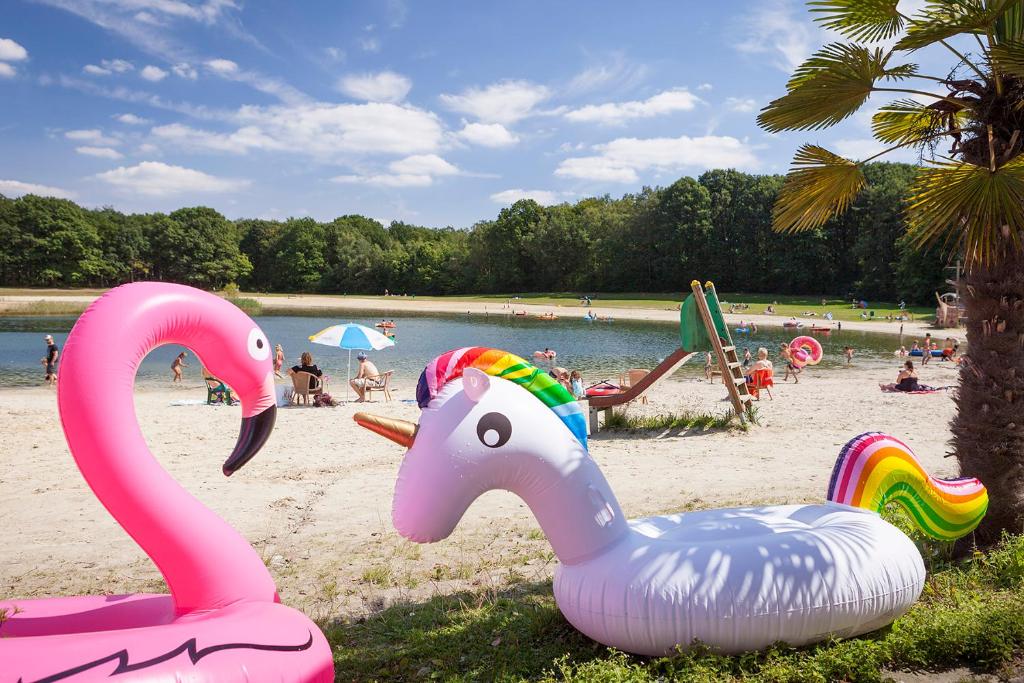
936	353
223	620
737	579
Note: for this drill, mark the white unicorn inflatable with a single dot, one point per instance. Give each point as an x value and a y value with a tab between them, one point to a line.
736	579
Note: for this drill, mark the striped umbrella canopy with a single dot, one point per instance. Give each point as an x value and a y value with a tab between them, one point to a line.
352	336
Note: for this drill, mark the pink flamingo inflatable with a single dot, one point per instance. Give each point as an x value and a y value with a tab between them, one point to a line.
223	620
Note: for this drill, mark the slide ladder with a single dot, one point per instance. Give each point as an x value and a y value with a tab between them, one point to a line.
722	346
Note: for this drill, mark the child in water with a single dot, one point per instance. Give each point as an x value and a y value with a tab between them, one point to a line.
848	352
177	365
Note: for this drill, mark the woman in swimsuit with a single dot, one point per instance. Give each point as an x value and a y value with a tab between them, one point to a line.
177	365
787	356
279	359
906	380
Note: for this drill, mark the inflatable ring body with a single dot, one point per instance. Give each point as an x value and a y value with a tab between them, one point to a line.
810	347
741	579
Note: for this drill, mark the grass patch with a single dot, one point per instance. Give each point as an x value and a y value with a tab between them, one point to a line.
379	575
785	305
41	308
620	421
970	613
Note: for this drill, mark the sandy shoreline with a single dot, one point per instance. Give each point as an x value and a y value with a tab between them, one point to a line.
316	502
397	304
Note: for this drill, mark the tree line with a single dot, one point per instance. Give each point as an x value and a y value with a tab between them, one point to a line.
714	227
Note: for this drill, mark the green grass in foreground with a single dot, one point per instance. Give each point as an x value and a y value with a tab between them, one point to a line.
970	613
622	421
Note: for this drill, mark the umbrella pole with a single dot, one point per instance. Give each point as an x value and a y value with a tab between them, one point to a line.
348	375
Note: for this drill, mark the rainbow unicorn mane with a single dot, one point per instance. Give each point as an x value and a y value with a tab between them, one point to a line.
505	365
874	469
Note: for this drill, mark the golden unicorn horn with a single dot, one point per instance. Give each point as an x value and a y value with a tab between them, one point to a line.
401	432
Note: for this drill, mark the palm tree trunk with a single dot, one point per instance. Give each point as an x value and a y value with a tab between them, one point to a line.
988	430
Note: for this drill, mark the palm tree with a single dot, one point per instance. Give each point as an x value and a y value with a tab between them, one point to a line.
968	196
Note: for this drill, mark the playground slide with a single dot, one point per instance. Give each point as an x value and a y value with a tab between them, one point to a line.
665	367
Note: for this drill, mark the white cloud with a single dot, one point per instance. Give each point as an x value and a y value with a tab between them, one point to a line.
488	135
132	119
16	188
423	164
776	29
385	86
705	86
117	65
108	66
11	51
153	73
418	170
614	73
335	54
369	44
184	70
327	132
147	18
101	152
613	113
622	160
7	71
544	197
505	102
741	104
93	136
157	179
222	66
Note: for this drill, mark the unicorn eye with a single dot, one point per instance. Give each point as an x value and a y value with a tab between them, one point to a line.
259	347
494	430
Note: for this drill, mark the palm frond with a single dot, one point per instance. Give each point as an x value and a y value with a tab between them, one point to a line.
968	209
829	87
1010	27
1008	58
819	186
943	20
907	122
865	20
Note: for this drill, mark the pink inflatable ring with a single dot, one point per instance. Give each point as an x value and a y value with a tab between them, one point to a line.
806	351
222	620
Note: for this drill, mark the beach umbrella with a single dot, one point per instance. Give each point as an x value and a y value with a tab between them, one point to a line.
352	337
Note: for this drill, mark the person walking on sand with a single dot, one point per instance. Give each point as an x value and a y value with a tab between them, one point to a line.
50	362
927	348
177	365
279	359
787	356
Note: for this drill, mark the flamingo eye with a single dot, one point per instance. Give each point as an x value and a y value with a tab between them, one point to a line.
259	347
494	430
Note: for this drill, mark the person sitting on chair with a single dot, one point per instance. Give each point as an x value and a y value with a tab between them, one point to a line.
368	377
306	365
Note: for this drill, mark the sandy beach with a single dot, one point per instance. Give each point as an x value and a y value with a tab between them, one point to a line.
402	304
316	502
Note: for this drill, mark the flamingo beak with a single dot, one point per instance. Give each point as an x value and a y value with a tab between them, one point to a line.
401	432
254	433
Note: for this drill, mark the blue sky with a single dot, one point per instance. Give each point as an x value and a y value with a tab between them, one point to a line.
436	113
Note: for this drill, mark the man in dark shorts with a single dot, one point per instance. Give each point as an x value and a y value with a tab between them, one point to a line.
52	352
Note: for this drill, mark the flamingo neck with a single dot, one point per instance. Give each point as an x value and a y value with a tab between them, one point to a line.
571	501
205	562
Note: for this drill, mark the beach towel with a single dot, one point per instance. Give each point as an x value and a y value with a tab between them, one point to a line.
923	390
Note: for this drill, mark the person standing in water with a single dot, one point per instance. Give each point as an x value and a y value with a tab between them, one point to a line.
177	365
279	356
50	362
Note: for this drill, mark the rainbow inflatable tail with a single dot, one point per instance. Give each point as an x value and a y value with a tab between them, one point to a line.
874	470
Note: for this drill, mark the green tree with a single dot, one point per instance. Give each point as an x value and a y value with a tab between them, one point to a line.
968	198
196	246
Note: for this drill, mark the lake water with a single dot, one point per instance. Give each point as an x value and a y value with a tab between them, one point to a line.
598	349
